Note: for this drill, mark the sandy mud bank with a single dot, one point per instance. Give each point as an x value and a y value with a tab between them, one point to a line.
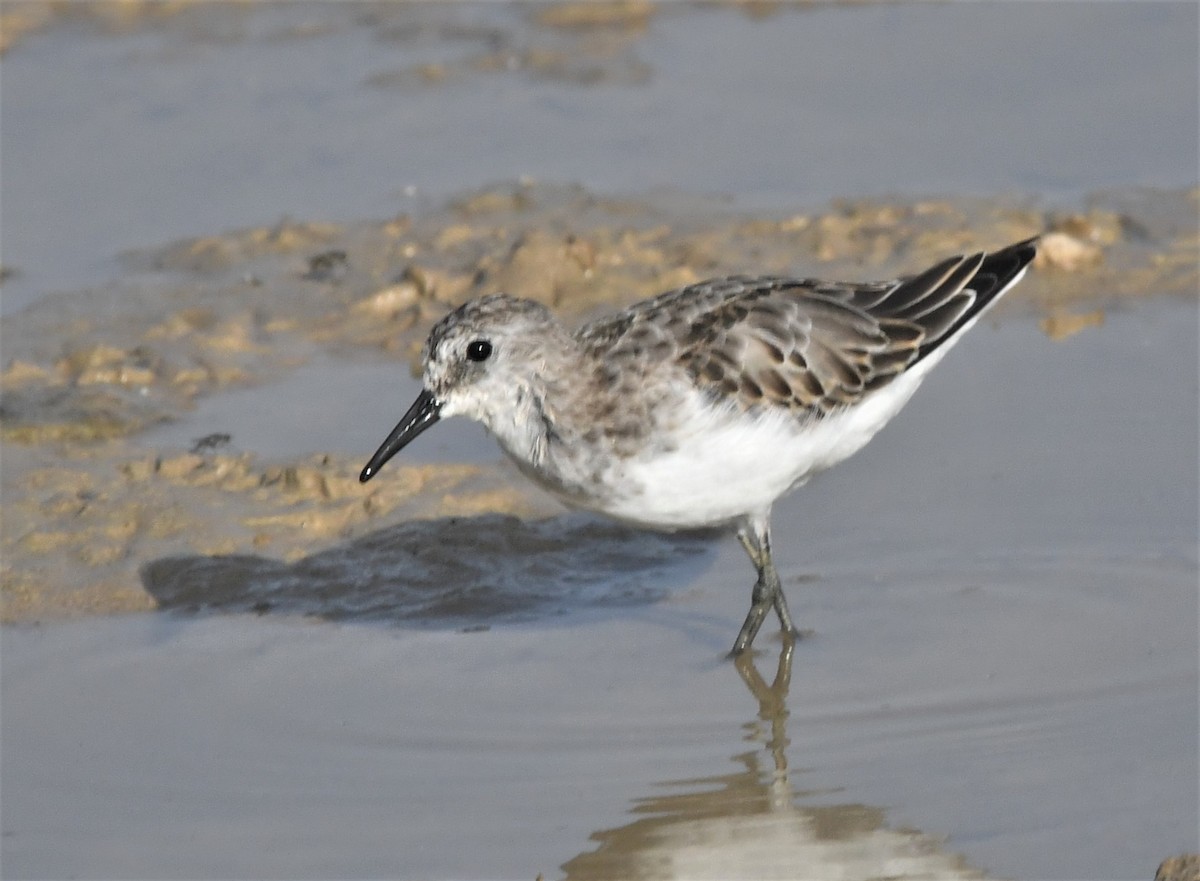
86	507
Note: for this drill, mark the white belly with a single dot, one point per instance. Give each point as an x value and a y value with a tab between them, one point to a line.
727	463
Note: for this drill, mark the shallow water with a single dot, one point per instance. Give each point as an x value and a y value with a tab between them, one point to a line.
1003	676
344	386
228	116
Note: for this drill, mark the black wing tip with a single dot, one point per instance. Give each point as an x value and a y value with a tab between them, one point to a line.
1004	265
1022	252
995	273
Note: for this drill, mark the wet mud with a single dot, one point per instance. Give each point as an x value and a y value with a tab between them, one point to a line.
1002	681
86	508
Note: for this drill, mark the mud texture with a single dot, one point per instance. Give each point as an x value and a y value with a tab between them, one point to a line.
1185	867
581	42
85	508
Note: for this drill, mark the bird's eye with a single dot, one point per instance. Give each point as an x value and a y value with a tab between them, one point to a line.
479	350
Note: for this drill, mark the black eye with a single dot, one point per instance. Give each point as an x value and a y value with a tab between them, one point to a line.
479	350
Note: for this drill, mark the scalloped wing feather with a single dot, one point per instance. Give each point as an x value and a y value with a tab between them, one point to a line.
808	346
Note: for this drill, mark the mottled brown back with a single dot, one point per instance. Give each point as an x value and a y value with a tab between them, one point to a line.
810	346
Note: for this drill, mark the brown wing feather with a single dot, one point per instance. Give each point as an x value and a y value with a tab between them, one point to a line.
807	352
764	342
801	344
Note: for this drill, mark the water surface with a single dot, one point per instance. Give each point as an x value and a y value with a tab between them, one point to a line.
1003	676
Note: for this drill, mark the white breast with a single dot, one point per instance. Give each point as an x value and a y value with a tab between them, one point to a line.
727	463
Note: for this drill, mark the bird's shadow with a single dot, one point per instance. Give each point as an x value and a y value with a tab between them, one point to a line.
451	572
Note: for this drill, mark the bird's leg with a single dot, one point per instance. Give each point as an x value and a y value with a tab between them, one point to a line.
755	536
760	602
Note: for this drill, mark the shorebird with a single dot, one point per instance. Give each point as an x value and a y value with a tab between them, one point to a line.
702	406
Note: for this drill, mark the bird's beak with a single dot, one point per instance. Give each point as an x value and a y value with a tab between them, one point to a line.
420	416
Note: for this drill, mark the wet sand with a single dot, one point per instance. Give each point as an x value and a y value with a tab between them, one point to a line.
445	674
105	468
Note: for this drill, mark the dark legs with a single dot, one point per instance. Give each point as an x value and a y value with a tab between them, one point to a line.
755	536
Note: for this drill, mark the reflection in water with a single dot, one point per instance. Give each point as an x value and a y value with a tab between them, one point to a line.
747	824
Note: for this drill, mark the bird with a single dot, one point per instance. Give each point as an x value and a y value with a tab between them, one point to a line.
702	406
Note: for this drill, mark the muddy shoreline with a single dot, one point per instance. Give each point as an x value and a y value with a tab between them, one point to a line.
85	373
255	211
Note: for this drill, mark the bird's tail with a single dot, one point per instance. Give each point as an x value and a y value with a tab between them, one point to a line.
948	298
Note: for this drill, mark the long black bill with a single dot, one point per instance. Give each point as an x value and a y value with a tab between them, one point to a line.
422	414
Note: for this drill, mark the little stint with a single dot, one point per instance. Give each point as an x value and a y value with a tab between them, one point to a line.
701	406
